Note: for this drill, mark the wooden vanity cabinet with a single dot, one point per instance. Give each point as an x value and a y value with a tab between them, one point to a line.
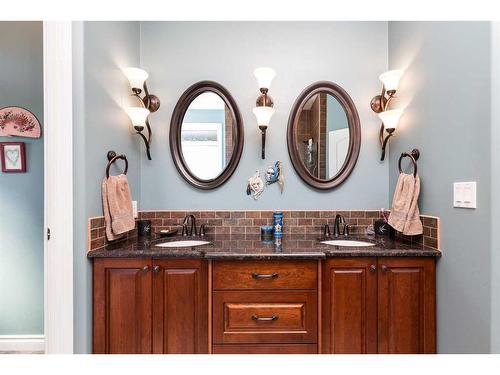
365	305
349	292
406	305
145	305
180	306
384	305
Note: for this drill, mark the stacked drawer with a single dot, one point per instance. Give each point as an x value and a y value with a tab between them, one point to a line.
265	307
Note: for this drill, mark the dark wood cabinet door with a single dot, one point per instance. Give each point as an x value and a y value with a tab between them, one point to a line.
349	303
122	306
407	305
180	316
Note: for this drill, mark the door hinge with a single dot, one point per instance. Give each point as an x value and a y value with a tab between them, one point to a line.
48	234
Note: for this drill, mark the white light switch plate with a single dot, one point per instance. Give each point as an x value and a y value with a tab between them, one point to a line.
134	209
464	194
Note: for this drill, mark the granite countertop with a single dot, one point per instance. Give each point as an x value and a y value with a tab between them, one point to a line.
250	246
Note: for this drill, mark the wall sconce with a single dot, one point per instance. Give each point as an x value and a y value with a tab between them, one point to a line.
264	104
380	105
149	103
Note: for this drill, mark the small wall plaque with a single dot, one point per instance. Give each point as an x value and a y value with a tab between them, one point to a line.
13	157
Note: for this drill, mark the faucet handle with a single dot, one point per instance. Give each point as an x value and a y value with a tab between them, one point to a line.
202	230
185	230
346	229
326	231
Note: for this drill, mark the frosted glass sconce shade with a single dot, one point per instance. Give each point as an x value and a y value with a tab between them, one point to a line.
138	116
264	77
263	115
136	77
390	118
391	79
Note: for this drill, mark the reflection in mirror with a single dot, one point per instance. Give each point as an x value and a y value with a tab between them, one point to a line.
322	136
207	140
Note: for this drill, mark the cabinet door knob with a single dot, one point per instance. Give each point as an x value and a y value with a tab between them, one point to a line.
145	268
273	275
383	268
373	268
156	269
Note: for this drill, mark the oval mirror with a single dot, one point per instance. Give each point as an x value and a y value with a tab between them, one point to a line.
324	135
206	135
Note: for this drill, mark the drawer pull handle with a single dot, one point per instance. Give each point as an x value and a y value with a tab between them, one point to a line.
255	275
264	319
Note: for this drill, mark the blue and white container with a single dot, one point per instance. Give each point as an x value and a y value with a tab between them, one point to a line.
266	233
278	224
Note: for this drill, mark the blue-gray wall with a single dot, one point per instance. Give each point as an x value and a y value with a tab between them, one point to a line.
228	52
446	92
21	194
101	91
495	187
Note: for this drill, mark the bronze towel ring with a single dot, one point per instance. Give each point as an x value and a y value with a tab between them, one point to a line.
413	155
112	157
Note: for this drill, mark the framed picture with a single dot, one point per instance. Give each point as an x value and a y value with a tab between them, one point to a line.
13	157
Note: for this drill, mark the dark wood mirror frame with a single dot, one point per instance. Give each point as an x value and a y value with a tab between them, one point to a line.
354	134
175	134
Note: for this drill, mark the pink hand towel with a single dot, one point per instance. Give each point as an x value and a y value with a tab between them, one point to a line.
117	206
405	215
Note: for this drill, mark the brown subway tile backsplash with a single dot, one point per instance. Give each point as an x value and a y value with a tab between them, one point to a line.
358	214
147	215
98	222
431	222
223	214
246	224
163	214
237	214
252	214
207	214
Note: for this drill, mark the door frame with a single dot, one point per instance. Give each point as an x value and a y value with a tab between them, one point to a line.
58	186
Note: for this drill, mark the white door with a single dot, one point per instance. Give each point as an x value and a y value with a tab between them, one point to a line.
338	145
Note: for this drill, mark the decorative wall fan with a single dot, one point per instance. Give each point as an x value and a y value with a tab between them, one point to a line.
19	122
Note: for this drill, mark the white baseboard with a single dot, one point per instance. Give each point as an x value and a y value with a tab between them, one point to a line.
22	343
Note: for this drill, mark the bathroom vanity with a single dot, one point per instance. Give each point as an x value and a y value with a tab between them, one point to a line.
238	294
235	296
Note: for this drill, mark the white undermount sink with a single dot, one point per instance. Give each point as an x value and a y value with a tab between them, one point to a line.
350	243
183	243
